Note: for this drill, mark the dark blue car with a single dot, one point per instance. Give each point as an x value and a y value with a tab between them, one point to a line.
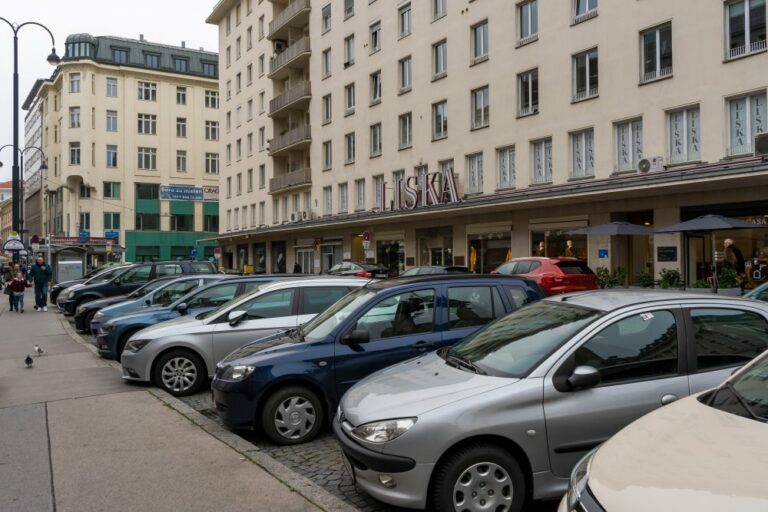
113	334
288	384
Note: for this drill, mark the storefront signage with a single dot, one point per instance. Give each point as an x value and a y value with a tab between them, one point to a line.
602	254
436	188
113	234
73	240
13	244
188	193
666	253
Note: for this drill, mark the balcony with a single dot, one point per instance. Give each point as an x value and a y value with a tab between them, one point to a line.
747	49
295	15
296	97
290	180
292	139
296	56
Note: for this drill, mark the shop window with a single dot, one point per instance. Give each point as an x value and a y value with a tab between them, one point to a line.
435	246
556	243
278	257
488	251
391	254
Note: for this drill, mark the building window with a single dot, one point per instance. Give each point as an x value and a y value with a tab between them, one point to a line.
684	135
250	180
376	140
629	144
239	116
250	144
261	27
326	109
349	51
181	126
583	154
261	65
262	139
528	93
375	37
528	22
349	99
249	73
542	161
440	120
481	114
119	56
406	77
406	136
147	191
745	27
181	95
182	222
239	184
404	19
378	183
327	156
111	220
229	89
475	173
325	14
349	148
147	124
505	162
238	83
229	121
85	191
74	153
343	198
147	222
229	187
438	9
262	102
327	200
211	99
148	159
111	155
585	75
326	63
229	56
239	149
209	69
439	59
147	91
238	48
112	87
181	65
211	130
656	53
584	10
74	82
376	87
111	190
249	38
74	117
360	194
152	60
349	8
85	221
480	42
181	161
746	118
262	176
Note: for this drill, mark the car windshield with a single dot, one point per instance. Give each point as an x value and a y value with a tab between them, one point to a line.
106	276
209	314
515	344
149	287
745	394
323	324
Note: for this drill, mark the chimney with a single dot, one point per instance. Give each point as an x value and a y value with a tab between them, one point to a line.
183	44
202	49
141	37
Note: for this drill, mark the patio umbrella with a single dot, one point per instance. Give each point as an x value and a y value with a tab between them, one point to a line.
710	224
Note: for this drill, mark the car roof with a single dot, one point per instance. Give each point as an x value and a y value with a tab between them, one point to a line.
312	280
611	300
250	278
449	278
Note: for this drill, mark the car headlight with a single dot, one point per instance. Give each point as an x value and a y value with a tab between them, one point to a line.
70	295
106	328
136	345
579	479
98	314
383	431
237	372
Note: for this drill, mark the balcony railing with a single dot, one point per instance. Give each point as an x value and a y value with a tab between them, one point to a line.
289	54
288	139
291	11
527	40
584	16
290	179
754	47
528	110
585	94
295	93
657	74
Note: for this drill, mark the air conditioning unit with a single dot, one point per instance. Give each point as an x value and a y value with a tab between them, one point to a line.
652	164
761	144
280	45
295	217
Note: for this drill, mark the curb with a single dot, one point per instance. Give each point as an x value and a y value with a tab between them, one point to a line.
296	482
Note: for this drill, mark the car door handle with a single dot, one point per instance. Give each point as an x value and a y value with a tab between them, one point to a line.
668	399
423	345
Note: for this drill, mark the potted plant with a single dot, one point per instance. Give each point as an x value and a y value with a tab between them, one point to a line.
644	280
728	282
610	279
699	286
670	278
619	276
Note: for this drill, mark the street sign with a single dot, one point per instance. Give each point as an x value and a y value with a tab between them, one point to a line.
366	244
193	252
217	250
85	234
35	247
13	244
111	234
366	236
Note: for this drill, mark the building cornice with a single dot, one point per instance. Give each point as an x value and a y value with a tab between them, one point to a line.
221	8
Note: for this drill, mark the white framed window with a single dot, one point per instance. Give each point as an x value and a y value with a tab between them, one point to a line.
528	93
375	37
585	75
475	173
480	42
262	176
261	27
181	127
397	176
349	98
325	15
147	91
327	109
541	161
744	27
74	117
74	153
249	74
326	63
250	181
584	10
211	130
656	53
229	120
405	129
746	118
211	99
349	51
343	198
249	144
147	124
481	108
262	102
181	95
262	139
238	48
438	9
147	159
378	182
439	59
229	89
327	200
376	87
440	120
111	87
212	163
228	150
349	148
349	8
111	155
261	65
583	153
249	38
74	82
376	139
629	144
404	19
249	109
254	217
360	194
327	155
505	167
405	74
684	135
527	22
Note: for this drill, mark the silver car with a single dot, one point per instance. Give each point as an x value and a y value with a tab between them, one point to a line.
180	355
505	415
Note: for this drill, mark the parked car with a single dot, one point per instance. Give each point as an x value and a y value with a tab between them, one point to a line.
179	356
290	384
706	453
350	268
514	407
129	279
114	327
159	292
57	288
434	269
554	275
758	293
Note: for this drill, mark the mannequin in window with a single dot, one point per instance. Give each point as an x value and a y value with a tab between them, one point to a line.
569	252
540	249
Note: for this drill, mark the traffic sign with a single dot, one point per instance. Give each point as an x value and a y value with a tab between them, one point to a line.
366	236
193	252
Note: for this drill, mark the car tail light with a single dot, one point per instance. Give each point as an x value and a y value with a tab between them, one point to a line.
363	273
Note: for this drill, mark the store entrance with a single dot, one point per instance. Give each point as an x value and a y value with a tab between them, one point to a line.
305	258
634	253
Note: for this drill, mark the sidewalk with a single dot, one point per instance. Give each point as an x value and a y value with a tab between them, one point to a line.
74	437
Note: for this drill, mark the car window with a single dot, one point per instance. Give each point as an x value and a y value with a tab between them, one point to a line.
523	267
174	291
106	275
345	267
336	268
727	337
213	297
201	266
319	298
517	295
167	269
508	268
573	267
410	272
270	305
534	265
136	275
400	315
252	286
642	346
469	306
149	287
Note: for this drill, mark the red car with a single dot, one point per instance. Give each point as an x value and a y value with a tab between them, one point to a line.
554	275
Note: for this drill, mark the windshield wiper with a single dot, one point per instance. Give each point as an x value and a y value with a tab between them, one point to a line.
743	402
457	361
295	334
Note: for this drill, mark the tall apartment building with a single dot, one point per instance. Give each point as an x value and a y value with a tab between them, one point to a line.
32	213
468	132
130	133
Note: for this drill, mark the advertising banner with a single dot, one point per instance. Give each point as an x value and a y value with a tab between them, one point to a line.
188	193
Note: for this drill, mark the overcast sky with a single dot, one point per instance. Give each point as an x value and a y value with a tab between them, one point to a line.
161	21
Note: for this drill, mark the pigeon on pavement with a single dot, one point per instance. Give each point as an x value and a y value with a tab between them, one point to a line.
38	351
28	361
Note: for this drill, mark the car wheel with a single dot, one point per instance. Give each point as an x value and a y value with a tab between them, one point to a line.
180	373
123	340
87	322
292	415
479	477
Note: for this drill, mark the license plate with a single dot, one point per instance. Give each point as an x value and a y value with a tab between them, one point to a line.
380	276
348	466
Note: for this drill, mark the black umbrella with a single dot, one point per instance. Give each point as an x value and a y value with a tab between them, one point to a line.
614	229
710	224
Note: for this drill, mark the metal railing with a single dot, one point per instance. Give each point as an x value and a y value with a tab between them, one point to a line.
757	46
526	111
290	138
585	94
289	54
656	74
526	40
292	94
290	179
292	9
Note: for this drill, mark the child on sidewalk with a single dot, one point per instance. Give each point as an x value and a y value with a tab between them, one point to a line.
18	285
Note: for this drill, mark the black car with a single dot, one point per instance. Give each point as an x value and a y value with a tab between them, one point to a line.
60	287
434	269
131	278
351	268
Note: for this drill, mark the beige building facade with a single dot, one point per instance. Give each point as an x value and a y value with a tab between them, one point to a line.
467	132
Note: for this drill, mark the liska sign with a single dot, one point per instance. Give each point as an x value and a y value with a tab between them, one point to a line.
435	188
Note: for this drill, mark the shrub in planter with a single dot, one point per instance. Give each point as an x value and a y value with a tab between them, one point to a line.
670	278
610	279
728	278
644	280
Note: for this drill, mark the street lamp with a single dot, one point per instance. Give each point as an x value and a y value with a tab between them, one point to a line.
43	167
52	59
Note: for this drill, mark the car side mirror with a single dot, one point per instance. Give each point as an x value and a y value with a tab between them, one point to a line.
148	302
182	308
356	336
584	377
235	317
117	281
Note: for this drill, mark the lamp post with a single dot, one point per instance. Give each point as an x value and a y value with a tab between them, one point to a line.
52	59
43	167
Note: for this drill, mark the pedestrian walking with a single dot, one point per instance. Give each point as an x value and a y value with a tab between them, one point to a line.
18	286
297	268
40	274
8	276
735	260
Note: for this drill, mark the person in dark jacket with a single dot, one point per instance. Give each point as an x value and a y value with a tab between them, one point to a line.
8	276
40	274
18	286
297	268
